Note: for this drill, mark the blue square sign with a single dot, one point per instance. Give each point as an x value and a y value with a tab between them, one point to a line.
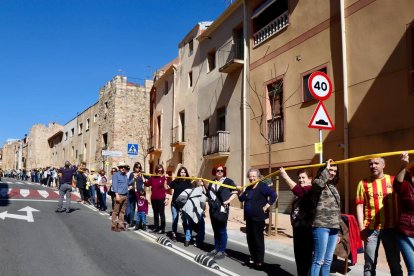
132	149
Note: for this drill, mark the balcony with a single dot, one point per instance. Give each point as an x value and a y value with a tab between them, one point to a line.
275	130
216	146
230	56
271	29
154	145
177	138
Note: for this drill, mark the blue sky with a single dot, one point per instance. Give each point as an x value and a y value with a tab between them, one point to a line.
56	54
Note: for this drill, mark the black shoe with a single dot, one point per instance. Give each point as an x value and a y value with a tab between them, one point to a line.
59	210
136	227
69	211
155	230
219	256
144	227
173	237
187	243
258	266
161	231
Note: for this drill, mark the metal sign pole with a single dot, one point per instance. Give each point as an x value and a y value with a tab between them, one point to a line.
321	145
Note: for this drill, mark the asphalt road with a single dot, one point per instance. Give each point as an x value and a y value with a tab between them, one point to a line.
81	243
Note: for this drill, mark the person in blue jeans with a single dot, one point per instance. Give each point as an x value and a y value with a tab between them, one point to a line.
220	195
404	187
142	211
192	214
178	185
327	219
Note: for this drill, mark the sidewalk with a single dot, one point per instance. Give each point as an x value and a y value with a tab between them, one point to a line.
282	244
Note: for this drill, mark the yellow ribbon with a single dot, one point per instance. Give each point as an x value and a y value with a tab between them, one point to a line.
349	160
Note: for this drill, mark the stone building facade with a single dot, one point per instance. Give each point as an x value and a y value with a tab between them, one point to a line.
10	154
119	117
37	150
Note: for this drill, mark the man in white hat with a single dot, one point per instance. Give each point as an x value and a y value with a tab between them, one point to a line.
120	188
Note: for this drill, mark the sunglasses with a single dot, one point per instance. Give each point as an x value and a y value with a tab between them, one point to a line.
219	170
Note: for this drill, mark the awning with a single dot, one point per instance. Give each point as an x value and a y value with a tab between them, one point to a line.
262	8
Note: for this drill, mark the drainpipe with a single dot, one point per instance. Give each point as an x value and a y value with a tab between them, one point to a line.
244	92
345	88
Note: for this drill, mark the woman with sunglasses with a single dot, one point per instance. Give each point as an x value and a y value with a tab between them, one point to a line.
136	184
158	198
219	205
178	185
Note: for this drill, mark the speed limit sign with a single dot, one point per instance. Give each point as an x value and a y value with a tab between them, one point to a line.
320	86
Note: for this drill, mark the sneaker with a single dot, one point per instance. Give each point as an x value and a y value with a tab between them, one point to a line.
161	231
173	237
136	227
155	230
212	253
219	255
187	243
59	210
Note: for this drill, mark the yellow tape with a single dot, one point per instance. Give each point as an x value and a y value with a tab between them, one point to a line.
349	160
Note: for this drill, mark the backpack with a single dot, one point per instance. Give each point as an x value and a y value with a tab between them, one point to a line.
182	199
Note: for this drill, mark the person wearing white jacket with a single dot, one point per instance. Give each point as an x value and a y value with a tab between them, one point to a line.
193	214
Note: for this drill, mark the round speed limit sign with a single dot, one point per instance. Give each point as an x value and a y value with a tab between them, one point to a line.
320	86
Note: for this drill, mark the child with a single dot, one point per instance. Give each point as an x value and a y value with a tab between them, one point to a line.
142	211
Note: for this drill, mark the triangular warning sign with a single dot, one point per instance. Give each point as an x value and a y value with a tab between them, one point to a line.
321	119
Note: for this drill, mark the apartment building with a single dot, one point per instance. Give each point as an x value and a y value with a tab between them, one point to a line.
370	61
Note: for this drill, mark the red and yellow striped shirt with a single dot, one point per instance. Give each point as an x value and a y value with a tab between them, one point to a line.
380	203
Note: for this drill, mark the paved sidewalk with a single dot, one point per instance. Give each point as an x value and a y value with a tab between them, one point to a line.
282	244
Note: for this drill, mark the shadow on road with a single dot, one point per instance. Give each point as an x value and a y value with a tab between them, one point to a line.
4	194
269	269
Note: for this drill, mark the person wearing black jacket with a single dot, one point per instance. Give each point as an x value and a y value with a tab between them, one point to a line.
81	179
219	204
257	200
135	185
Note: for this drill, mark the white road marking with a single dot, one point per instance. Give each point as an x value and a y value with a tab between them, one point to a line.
24	192
186	255
43	193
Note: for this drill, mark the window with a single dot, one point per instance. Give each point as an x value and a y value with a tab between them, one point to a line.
267	12
87	124
269	19
182	123
106	108
190	79
80	128
165	87
95	118
221	119
275	112
85	146
307	96
66	135
211	59
206	127
72	132
190	47
76	154
105	141
72	151
158	132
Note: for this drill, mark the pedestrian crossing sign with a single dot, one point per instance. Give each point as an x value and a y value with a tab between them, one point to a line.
132	149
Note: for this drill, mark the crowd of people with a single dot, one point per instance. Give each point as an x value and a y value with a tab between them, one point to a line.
384	209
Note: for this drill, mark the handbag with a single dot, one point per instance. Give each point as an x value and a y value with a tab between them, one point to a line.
218	211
